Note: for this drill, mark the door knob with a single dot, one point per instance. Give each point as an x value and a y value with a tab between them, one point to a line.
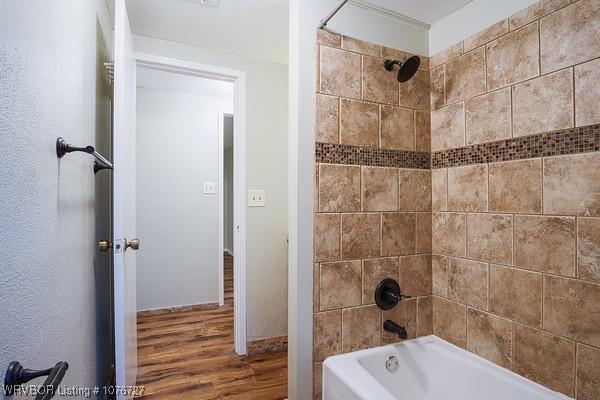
104	245
134	244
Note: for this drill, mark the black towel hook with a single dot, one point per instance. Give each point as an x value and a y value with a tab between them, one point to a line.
63	148
16	375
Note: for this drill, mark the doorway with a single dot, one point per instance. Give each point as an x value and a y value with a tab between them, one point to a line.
202	185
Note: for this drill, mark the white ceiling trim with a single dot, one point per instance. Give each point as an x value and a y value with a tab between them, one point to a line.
396	16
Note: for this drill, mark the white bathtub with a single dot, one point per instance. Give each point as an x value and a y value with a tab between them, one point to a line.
428	369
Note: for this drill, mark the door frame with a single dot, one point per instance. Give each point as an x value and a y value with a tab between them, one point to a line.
238	78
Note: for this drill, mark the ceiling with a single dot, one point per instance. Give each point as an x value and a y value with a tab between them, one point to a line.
164	80
427	11
253	28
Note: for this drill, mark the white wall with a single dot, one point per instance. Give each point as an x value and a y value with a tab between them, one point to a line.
52	84
177	151
266	119
358	22
471	19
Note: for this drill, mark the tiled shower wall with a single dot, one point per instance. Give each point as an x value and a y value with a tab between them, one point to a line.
506	154
516	194
373	197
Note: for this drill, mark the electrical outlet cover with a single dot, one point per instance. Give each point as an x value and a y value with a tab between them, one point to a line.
256	198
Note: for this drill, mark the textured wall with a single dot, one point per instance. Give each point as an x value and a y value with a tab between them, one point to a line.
372	221
516	227
52	84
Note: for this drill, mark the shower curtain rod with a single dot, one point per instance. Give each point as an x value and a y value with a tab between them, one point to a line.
325	20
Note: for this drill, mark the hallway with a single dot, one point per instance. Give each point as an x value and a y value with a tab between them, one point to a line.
189	353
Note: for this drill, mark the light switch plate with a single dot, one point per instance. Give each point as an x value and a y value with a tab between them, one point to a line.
209	188
256	198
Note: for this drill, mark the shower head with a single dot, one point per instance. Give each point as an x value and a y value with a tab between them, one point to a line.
408	68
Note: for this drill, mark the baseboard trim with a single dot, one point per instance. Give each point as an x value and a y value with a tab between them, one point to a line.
267	345
192	307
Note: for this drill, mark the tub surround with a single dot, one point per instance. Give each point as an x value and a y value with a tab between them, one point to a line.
372	162
498	232
516	195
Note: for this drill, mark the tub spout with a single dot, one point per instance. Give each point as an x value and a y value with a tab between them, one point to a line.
393	327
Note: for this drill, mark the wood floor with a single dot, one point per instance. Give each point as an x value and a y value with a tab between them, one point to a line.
189	355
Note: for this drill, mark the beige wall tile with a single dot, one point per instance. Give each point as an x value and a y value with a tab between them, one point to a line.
543	104
446	55
378	84
490	237
340	285
423	232
572	309
361	328
339	188
415	275
588	378
468	188
439	275
374	271
316	286
360	235
361	46
587	97
404	314
327	237
449	234
359	123
513	57
379	189
415	190
318	381
399	234
422	131
439	189
448	127
516	186
416	92
328	38
544	358
490	337
486	35
572	185
588	248
425	316
468	282
327	123
488	117
516	294
545	244
570	36
536	11
394	54
397	128
438	87
450	321
328	334
465	76
339	72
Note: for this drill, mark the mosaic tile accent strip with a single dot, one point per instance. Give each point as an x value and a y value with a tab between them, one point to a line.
568	141
329	153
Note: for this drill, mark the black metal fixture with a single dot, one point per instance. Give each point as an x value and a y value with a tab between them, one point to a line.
392	327
63	148
408	68
387	294
16	375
